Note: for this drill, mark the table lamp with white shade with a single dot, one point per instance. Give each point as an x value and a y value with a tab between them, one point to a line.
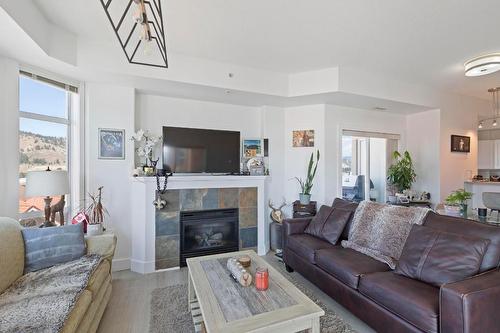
48	184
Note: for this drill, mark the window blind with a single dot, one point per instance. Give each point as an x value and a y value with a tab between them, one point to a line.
62	85
364	134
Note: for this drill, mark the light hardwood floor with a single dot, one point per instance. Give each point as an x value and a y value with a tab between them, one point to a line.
129	306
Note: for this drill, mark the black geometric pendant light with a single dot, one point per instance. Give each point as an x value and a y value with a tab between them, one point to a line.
138	25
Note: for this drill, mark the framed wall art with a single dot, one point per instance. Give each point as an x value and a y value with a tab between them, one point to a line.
111	144
303	138
460	144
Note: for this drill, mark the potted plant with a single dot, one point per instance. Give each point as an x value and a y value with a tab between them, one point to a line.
307	184
401	175
146	143
95	212
457	201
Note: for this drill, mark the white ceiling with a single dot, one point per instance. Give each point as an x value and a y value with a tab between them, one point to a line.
424	41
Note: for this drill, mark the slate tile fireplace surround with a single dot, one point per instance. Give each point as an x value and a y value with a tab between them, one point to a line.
155	234
204	210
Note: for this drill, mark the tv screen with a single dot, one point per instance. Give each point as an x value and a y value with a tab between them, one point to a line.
191	150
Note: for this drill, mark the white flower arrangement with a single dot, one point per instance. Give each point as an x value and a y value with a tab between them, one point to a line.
146	143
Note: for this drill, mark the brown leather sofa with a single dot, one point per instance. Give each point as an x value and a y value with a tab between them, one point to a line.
389	302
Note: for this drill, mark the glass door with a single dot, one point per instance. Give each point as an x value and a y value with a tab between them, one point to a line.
365	159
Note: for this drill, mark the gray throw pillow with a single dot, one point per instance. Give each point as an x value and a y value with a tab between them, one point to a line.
438	257
46	247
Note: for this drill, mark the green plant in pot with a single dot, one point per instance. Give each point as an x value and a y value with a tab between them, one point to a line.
307	184
458	198
401	174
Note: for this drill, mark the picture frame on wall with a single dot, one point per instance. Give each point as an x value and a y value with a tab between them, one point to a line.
253	148
111	144
460	144
303	138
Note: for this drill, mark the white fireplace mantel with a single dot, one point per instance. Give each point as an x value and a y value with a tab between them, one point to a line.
143	211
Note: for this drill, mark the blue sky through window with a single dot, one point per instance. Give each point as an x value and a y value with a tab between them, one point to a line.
41	98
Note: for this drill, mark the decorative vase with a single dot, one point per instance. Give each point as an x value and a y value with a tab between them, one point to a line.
304	199
94	229
463	210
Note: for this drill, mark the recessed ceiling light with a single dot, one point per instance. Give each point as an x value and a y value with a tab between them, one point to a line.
380	108
228	91
483	65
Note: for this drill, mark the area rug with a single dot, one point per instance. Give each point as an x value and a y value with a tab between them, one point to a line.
169	310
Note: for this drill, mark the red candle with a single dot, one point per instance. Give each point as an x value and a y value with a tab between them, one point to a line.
261	278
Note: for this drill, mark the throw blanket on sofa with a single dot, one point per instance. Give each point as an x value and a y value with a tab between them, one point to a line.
380	231
41	301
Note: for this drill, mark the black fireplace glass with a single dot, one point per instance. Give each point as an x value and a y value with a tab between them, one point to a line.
208	232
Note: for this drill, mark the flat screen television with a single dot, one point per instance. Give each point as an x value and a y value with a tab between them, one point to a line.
192	150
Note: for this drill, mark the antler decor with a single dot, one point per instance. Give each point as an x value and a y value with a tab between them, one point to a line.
276	213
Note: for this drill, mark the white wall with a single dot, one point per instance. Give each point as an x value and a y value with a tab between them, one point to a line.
339	118
154	112
273	127
9	139
111	107
423	142
310	117
458	116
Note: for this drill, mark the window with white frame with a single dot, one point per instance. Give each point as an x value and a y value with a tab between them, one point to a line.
45	132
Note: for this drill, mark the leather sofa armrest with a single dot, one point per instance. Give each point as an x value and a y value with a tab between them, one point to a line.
471	305
103	245
294	226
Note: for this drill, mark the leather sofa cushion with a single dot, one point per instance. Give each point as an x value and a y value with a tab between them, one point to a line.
335	224
315	228
329	223
347	265
350	206
412	300
306	245
438	257
461	226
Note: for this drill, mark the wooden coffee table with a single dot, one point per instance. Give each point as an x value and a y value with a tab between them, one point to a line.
226	306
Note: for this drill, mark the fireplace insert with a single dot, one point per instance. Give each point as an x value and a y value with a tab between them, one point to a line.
208	232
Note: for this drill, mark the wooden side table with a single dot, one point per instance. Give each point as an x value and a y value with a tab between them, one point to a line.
300	210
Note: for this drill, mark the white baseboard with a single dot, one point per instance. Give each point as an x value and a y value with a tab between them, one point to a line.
120	264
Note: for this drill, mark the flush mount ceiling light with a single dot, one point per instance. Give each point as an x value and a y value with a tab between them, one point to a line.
483	65
144	30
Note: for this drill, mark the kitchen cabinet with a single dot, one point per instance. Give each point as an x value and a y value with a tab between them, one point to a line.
496	153
488	152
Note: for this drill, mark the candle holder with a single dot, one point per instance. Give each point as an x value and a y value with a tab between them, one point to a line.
261	278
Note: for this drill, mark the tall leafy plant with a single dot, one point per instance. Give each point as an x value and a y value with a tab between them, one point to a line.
307	184
402	173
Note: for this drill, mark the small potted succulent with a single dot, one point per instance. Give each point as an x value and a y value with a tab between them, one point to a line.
456	202
307	184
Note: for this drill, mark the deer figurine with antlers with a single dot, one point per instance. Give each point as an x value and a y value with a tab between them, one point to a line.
277	214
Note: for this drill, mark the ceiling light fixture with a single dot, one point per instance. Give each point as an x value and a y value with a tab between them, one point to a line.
483	65
495	107
146	28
